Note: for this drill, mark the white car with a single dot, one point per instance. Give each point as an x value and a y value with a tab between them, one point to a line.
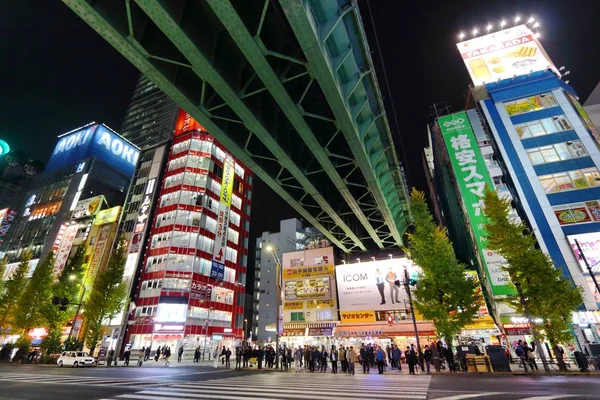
75	359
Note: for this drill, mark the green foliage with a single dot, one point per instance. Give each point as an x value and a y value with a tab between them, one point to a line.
52	343
13	289
23	344
107	297
550	296
3	263
445	294
72	344
31	307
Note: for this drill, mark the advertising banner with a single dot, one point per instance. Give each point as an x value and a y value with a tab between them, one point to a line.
186	123
87	207
107	216
98	254
6	218
370	285
327	303
351	317
306	272
590	245
483	310
308	288
472	177
587	122
64	248
220	248
293	332
320	331
293	305
503	54
572	216
200	291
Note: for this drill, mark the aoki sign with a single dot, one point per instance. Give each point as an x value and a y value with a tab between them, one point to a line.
98	141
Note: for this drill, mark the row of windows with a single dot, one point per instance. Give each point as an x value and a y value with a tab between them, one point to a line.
571	180
186	178
557	152
541	127
192	161
188	240
189	263
322	315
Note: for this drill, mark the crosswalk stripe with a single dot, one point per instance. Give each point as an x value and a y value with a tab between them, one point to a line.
231	395
379	389
337	392
557	396
469	396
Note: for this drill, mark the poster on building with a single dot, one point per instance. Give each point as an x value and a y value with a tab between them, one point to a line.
313	288
306	272
585	119
217	270
6	218
472	177
483	310
503	54
371	285
590	246
87	207
64	248
200	291
98	253
107	216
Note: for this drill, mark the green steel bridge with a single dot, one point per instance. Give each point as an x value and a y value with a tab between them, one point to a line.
289	87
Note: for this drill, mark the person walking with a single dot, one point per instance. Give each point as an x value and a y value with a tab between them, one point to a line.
179	354
351	358
157	354
380	282
227	357
411	359
298	359
147	353
333	356
197	355
396	356
364	358
324	357
126	356
167	354
141	357
284	358
428	356
530	357
343	361
380	357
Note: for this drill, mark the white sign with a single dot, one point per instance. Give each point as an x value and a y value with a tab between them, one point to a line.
69	142
220	248
503	54
87	207
495	263
64	248
119	148
370	285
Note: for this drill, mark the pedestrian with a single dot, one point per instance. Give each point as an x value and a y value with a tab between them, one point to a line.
380	357
157	354
435	356
222	355
179	354
141	357
126	356
396	356
227	357
298	359
364	358
333	356
530	356
411	359
259	356
284	357
167	355
147	354
197	354
342	354
351	358
428	356
238	357
111	354
289	358
324	357
246	356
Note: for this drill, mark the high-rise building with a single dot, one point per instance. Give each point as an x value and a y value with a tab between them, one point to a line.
270	246
192	276
528	137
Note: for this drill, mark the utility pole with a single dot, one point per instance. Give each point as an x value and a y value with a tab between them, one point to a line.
412	310
534	332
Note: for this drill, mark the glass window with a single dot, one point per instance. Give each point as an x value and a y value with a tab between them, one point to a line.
549	154
556	152
532	103
572	180
297	316
542	127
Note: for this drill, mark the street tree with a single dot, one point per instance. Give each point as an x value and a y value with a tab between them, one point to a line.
107	297
534	275
445	293
13	289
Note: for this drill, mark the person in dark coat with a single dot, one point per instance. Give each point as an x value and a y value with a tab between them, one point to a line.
411	359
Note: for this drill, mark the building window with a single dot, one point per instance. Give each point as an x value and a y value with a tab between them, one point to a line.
529	104
297	316
324	315
571	180
556	152
541	127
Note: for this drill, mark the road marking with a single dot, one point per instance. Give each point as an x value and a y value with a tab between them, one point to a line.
469	396
557	396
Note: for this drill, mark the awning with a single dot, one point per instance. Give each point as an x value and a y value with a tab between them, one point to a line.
424	328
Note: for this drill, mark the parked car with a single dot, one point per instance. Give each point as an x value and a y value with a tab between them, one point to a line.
75	359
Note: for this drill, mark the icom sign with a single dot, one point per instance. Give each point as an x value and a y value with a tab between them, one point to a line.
94	141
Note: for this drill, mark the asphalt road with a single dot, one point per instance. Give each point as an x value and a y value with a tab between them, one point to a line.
191	382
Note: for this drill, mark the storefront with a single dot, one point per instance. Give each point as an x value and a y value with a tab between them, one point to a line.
482	332
311	334
402	334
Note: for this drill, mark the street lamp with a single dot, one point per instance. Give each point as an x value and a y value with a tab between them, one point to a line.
278	301
244	333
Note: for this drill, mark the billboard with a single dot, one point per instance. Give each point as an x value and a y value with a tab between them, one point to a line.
503	54
87	207
217	270
472	177
590	245
64	248
366	287
107	216
311	288
6	218
186	123
94	141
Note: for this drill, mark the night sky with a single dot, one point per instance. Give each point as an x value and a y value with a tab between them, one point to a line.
58	74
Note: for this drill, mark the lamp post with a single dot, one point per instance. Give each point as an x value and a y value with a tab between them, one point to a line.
412	310
278	302
244	333
206	333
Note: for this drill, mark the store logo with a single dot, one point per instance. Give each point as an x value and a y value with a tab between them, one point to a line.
454	122
74	140
355	277
119	148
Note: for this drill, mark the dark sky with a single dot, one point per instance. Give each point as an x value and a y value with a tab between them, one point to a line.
58	74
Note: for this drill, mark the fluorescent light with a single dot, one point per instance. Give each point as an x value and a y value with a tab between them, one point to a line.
502	23
475	31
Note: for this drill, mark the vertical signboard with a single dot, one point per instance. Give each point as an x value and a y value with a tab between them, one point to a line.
103	234
586	120
472	177
217	270
6	217
64	248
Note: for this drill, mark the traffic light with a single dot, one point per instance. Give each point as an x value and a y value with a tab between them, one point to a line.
64	302
56	300
390	320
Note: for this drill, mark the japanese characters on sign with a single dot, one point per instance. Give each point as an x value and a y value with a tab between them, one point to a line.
472	177
306	272
220	248
308	288
358	316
